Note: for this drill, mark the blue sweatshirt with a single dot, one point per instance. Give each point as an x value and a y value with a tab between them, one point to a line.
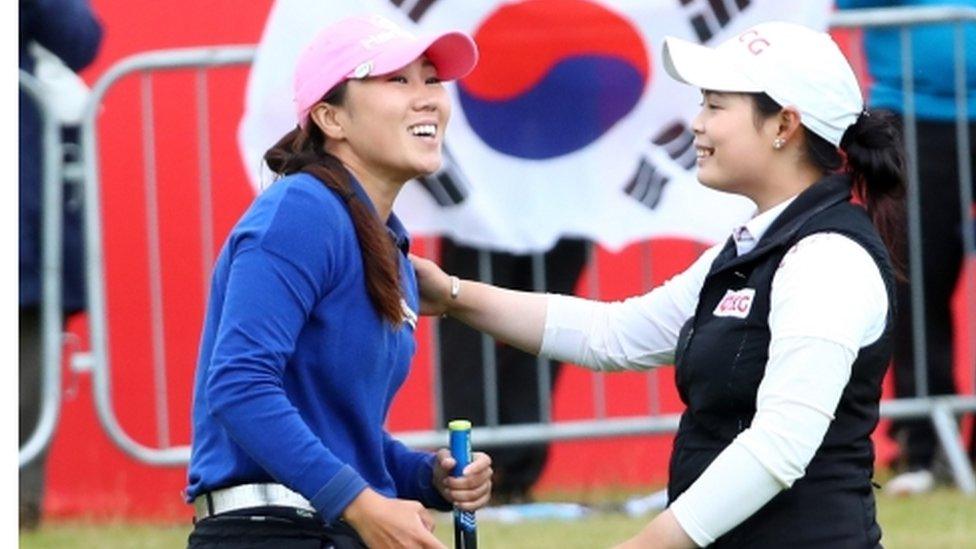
932	61
297	370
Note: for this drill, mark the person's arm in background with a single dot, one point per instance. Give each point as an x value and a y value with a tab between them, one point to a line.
66	28
814	338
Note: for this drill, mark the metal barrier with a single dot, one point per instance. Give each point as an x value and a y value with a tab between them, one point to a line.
905	18
51	227
98	319
939	409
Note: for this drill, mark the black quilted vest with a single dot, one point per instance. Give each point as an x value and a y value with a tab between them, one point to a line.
720	361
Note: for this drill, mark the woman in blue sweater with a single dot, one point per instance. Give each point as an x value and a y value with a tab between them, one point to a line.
313	306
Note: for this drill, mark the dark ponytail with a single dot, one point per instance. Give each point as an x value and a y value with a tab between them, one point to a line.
303	150
876	162
871	152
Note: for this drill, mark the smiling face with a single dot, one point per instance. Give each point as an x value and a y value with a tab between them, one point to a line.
392	126
733	145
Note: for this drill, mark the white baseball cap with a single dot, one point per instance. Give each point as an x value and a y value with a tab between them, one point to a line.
795	65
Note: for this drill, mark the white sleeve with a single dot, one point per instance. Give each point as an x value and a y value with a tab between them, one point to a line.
809	366
634	334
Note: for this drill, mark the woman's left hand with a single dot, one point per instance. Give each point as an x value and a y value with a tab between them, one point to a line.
469	492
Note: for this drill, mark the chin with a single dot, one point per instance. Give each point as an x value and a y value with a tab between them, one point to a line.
714	185
706	180
429	167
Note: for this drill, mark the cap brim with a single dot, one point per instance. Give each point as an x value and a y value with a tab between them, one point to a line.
453	53
704	68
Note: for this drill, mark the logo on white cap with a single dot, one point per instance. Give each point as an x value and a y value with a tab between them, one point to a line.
754	43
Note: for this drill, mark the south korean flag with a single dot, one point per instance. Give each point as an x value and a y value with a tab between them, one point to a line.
569	124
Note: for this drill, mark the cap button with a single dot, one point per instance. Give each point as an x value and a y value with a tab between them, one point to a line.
363	70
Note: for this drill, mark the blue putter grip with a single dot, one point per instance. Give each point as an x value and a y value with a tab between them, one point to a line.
465	527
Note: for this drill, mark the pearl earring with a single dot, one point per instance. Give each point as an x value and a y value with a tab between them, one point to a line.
778	143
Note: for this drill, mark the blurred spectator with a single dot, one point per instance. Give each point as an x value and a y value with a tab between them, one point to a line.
942	226
463	391
69	30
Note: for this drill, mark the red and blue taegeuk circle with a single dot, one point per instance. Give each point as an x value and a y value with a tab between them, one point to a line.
554	76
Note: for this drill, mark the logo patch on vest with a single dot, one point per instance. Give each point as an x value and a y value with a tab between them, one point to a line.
736	303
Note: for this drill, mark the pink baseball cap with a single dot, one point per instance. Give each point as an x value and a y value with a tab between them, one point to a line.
371	45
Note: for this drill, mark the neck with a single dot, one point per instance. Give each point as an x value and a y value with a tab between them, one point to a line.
381	189
783	184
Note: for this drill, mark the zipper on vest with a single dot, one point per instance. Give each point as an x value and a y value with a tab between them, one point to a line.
681	373
691	334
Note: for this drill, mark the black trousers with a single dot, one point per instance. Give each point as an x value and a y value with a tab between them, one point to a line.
942	257
29	365
271	528
462	389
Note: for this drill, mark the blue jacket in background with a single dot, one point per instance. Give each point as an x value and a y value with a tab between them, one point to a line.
70	30
932	58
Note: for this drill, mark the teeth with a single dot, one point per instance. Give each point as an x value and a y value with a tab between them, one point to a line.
702	153
423	129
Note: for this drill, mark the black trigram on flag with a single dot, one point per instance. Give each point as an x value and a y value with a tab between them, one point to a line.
713	15
678	141
447	185
415	9
648	181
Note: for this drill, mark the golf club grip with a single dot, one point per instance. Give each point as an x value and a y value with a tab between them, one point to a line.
465	526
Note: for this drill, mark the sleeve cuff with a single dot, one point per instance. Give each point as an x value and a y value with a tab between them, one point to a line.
689	523
730	490
338	493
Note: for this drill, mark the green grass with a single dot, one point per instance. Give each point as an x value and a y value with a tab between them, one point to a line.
105	536
944	518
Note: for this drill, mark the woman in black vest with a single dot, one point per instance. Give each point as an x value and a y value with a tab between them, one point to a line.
781	335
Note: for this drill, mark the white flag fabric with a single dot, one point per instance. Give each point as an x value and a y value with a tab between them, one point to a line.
569	126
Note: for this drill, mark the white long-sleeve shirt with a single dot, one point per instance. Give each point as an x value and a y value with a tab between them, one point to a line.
827	301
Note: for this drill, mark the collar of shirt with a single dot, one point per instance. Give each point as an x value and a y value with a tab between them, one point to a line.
394	227
747	236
